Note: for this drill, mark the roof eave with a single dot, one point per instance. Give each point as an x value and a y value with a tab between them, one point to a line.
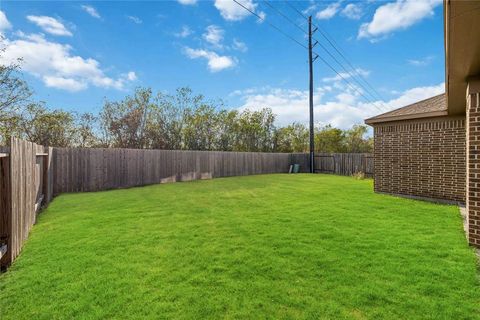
462	50
376	120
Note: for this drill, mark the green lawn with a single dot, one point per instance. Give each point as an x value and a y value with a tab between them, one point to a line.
270	246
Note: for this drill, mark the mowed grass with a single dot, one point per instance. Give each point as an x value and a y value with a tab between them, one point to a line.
268	246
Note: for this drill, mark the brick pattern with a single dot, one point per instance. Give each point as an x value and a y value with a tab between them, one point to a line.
473	165
422	158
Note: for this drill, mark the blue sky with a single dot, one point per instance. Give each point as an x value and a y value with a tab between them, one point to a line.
78	53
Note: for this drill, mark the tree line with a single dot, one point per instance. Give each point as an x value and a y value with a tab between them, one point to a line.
148	120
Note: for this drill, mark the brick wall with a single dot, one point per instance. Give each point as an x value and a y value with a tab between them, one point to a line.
473	165
423	158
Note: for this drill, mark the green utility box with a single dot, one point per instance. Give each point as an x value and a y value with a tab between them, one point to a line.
294	168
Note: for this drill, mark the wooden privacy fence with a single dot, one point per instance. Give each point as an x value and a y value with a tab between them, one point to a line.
25	186
89	169
345	164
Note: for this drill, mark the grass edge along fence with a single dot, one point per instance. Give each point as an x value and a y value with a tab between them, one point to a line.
31	174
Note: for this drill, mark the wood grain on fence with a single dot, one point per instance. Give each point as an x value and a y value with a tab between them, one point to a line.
345	164
89	169
25	188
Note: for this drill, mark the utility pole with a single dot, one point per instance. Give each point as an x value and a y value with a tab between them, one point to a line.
310	62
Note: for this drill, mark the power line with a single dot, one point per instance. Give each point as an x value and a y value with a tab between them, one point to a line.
328	52
295	8
348	82
350	64
337	48
349	73
272	25
284	16
317	55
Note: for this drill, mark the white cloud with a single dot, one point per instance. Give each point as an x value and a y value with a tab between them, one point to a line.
352	11
234	12
215	62
185	32
310	9
187	2
213	38
131	76
262	16
214	35
239	45
329	12
397	15
68	84
342	108
50	25
4	23
345	75
57	67
421	62
416	94
135	19
288	105
91	11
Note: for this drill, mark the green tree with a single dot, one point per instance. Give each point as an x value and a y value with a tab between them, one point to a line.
227	136
123	122
329	139
49	128
292	138
255	131
164	126
14	96
201	128
86	131
356	140
166	123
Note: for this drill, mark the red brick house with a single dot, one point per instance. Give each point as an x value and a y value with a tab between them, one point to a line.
431	149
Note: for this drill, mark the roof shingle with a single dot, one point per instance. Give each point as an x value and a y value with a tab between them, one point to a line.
431	107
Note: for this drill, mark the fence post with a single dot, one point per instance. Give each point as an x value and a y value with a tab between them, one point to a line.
47	176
